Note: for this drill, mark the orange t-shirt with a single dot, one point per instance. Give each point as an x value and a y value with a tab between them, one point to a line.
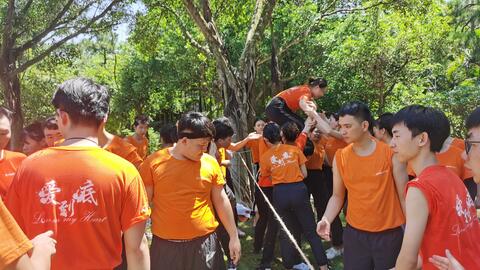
86	196
142	146
14	243
452	219
125	150
373	203
8	166
253	145
315	161
182	203
459	143
293	95
331	146
282	163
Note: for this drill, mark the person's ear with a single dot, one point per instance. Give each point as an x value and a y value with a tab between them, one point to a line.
365	125
423	139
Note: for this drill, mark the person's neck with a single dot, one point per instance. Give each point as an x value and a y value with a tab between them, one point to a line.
176	151
138	137
423	160
290	143
104	137
80	137
364	146
387	139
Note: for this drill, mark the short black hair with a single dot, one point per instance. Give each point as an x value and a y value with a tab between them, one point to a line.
50	123
334	114
473	120
418	119
34	131
223	128
320	82
359	110
85	101
384	121
271	132
290	131
141	119
4	111
195	125
258	119
168	133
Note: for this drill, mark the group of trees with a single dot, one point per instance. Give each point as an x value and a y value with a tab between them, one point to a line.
230	56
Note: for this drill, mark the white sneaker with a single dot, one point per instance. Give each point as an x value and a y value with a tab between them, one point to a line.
333	252
301	266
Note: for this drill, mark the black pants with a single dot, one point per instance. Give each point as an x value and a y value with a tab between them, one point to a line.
293	205
203	253
278	112
371	250
471	187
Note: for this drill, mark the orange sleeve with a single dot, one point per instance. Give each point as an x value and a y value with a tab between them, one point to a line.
264	166
135	205
301	140
14	243
301	158
217	174
134	158
146	173
13	201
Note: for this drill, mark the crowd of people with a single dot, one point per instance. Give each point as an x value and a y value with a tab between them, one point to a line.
80	197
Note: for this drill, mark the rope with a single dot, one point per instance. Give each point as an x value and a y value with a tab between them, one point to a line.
277	216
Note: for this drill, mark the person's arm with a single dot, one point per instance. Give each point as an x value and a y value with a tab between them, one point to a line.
149	190
303	168
225	213
43	249
400	176
446	263
239	145
136	247
334	205
417	217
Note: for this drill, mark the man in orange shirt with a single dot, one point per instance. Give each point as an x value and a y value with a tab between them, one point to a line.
9	160
440	213
15	246
186	186
51	132
382	129
87	196
118	146
139	138
375	181
168	135
33	138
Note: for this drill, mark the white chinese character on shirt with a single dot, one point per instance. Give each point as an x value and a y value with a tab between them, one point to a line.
47	193
85	194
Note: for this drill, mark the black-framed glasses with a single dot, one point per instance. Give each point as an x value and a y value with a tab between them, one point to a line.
468	145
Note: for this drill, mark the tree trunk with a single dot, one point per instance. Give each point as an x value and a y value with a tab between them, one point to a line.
11	93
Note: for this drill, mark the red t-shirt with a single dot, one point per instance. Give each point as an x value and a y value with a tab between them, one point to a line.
452	221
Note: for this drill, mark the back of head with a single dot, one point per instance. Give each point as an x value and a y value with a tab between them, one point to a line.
50	123
419	119
320	82
290	131
168	133
271	132
4	112
141	119
194	125
473	120
384	122
359	111
34	131
223	128
86	102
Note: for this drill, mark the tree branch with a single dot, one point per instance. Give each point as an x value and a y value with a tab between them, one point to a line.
302	36
56	45
189	37
8	26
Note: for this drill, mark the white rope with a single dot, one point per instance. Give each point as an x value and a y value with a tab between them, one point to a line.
277	216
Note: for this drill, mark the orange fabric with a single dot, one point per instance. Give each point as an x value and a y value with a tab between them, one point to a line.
14	243
8	166
293	95
459	143
253	145
125	150
182	203
452	218
315	161
282	163
142	146
86	196
59	142
333	144
373	203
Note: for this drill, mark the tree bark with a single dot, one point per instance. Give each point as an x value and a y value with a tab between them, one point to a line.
11	92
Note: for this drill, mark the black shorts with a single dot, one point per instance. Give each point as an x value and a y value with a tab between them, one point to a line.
203	253
371	250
